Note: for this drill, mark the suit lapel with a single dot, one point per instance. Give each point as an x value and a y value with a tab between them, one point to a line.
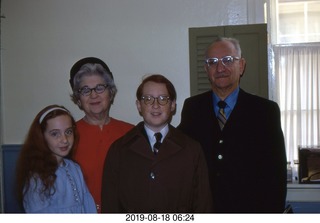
210	124
170	144
139	144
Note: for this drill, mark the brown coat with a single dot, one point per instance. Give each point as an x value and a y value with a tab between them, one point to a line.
173	181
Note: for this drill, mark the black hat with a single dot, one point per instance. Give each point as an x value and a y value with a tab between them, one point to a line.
76	67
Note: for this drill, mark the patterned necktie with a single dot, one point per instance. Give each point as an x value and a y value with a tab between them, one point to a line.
221	115
157	145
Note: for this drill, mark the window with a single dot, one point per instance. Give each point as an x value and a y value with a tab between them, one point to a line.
295	73
298	21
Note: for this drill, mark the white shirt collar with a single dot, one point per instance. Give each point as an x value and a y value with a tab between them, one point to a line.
164	131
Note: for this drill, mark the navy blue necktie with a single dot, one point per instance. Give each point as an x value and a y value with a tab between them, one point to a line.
221	115
157	145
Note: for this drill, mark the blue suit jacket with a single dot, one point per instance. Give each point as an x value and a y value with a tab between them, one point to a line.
247	160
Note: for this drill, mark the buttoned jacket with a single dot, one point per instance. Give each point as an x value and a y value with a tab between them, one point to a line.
247	160
136	180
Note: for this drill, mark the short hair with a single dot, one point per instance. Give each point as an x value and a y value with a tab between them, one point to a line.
157	78
76	67
234	41
91	69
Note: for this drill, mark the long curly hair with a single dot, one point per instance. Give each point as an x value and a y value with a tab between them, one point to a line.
35	158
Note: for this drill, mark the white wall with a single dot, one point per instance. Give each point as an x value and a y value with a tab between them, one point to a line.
41	39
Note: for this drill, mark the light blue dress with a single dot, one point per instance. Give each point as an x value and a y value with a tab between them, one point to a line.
71	193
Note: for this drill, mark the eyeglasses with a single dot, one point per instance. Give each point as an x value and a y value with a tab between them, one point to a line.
227	61
86	91
149	100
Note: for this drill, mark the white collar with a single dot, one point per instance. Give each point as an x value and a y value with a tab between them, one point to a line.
164	131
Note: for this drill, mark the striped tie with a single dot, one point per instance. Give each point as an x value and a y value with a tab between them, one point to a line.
221	115
157	145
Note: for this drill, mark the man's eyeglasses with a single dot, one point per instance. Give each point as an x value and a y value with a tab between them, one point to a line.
86	91
149	100
227	61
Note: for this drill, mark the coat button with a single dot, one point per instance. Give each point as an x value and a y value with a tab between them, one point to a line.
152	175
220	141
220	157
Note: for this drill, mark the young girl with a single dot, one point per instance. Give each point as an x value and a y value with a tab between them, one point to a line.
48	180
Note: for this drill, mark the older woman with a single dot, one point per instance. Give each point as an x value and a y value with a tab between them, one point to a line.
93	91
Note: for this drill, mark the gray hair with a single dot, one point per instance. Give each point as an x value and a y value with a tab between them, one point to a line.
90	69
234	41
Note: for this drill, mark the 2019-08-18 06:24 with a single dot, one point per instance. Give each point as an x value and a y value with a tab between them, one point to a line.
160	217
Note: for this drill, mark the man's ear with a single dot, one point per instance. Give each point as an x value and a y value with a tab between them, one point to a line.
173	106
205	68
138	104
242	66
